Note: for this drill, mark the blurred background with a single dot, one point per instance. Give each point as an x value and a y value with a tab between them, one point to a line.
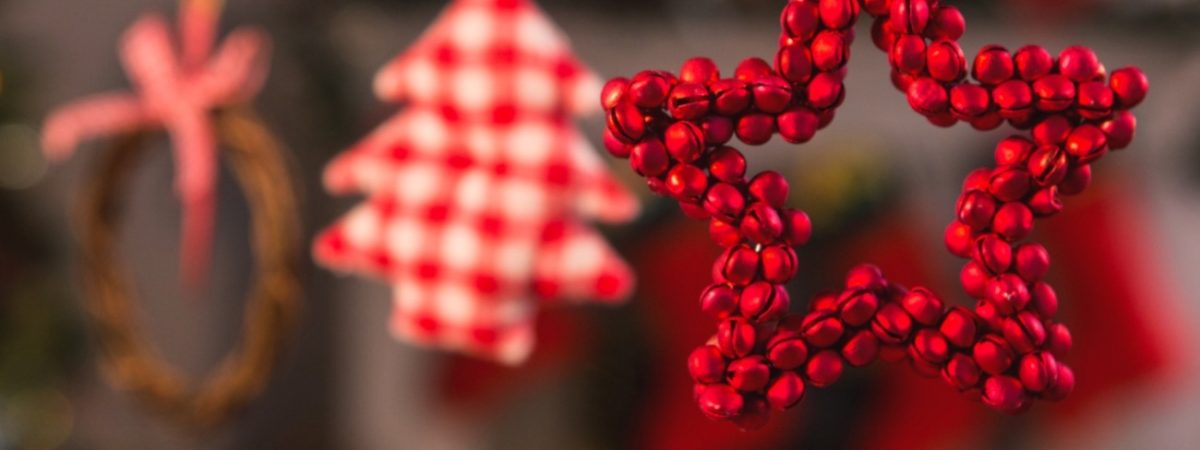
879	183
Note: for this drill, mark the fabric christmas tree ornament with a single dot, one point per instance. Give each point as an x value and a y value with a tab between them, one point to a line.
479	190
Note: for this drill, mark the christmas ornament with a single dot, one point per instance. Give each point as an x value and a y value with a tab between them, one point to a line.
198	97
477	190
1008	350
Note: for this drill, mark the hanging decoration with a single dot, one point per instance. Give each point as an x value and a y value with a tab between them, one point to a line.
1008	350
200	97
479	189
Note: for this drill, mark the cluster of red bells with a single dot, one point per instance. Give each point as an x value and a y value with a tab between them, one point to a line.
1008	350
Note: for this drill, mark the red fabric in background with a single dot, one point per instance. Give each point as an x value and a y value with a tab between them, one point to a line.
1112	303
470	384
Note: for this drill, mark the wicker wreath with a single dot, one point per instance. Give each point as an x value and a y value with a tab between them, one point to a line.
130	361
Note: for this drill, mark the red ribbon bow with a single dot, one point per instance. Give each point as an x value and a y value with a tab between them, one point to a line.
176	87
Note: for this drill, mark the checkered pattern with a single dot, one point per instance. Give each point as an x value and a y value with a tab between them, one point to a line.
478	189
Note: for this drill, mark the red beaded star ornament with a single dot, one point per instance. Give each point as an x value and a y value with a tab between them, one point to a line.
1008	350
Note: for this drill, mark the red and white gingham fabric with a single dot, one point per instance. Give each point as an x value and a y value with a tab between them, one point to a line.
479	188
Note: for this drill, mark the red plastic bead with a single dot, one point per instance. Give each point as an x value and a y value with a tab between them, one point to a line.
719	301
798	124
699	70
717	130
993	252
649	89
857	307
688	101
974	278
1054	92
1014	98
1045	202
798	226
785	391
1058	340
969	101
1130	86
1014	221
861	349
960	239
1120	129
761	223
736	337
1005	394
730	96
961	372
959	327
778	263
927	97
771	94
945	61
613	92
1079	64
720	402
739	265
1010	184
924	307
1049	165
649	158
614	145
1077	180
800	20
909	16
824	368
1032	261
755	129
838	13
1063	384
686	182
1095	100
706	364
787	351
1087	143
749	374
1008	293
1033	62
825	91
1052	130
822	330
770	187
930	346
724	201
1043	300
794	63
1013	150
829	51
865	277
751	69
1038	371
763	301
1024	331
684	141
993	65
993	354
891	324
976	208
727	164
946	22
908	54
627	122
